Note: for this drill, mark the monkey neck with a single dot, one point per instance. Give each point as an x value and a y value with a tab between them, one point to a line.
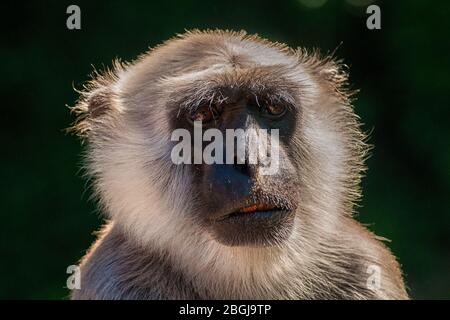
293	270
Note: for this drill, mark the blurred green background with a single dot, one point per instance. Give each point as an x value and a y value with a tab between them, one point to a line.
402	71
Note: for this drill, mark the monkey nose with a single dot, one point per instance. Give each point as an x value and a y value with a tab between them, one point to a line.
229	182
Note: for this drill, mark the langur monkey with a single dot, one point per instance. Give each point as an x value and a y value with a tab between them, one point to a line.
226	231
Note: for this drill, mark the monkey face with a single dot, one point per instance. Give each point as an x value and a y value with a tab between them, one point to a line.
238	202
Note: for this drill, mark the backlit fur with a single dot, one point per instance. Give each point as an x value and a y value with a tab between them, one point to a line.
151	248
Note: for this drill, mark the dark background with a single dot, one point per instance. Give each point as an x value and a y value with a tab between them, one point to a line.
402	71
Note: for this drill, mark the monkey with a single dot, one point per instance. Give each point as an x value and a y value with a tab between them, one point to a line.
225	231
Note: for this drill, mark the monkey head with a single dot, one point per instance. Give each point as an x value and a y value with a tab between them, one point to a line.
226	80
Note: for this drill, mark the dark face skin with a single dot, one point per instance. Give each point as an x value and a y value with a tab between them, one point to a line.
236	204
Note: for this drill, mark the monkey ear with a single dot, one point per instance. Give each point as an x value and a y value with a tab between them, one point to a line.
91	109
335	74
97	103
330	70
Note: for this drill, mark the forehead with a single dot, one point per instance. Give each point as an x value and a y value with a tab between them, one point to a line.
233	66
205	66
203	51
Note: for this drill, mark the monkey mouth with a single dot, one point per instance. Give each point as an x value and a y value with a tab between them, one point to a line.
256	208
261	211
254	224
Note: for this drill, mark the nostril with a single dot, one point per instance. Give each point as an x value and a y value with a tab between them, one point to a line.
243	168
241	165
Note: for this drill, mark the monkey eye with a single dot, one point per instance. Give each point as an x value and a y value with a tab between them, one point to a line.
204	114
275	110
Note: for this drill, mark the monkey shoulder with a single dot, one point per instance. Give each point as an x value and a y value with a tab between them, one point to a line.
369	265
115	268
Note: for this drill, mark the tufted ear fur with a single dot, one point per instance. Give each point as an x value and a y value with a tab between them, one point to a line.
328	69
98	102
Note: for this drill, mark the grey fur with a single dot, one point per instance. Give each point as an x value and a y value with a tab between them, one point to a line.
152	248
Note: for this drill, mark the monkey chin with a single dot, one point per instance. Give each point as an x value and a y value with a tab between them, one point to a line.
259	228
